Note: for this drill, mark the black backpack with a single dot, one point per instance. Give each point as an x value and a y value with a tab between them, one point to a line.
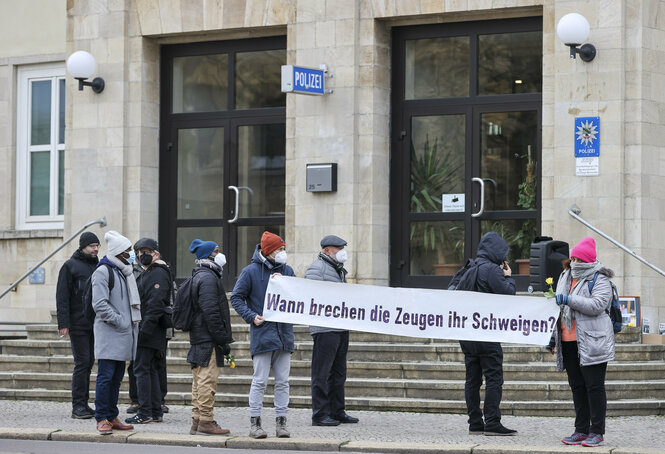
183	305
614	311
86	298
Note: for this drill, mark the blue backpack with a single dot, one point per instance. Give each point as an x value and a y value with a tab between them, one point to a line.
614	311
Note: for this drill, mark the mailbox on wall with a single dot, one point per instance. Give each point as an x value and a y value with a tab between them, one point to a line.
322	177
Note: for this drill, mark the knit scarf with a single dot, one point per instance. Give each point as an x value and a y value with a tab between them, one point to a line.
583	272
134	299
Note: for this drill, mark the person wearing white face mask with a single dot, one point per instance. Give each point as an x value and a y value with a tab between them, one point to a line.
270	343
330	344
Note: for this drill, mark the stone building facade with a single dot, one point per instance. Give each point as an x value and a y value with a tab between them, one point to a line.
117	143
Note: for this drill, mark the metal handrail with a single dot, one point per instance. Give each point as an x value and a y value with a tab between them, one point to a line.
575	211
101	222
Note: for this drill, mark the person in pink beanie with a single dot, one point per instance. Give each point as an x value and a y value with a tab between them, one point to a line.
584	339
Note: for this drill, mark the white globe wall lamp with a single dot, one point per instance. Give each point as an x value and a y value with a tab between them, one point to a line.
573	30
81	65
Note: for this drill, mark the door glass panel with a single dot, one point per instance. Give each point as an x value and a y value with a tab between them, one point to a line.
510	63
249	237
40	170
200	173
519	234
61	181
509	160
200	83
436	68
436	248
437	160
184	237
40	113
259	79
261	170
61	113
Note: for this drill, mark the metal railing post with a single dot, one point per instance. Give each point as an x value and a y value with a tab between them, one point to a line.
101	222
575	211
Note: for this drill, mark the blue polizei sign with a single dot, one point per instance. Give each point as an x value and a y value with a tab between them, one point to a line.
587	137
298	79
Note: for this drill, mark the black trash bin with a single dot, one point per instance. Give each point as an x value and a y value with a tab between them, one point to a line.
545	261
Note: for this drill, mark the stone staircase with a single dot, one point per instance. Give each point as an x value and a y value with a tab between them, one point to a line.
387	373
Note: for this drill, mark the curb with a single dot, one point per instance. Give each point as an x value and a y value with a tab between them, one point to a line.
299	444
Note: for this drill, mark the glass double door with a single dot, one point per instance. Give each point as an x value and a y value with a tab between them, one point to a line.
465	147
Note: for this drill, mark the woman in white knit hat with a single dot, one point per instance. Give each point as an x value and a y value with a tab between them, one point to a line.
117	315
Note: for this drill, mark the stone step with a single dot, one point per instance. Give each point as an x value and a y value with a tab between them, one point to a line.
536	371
561	408
233	383
359	351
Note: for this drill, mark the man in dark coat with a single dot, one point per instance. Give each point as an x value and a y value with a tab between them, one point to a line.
330	345
154	286
72	321
488	273
209	336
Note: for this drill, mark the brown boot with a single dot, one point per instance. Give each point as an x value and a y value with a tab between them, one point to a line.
211	428
195	426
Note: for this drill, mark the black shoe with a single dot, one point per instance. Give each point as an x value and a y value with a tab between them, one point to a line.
500	431
133	408
165	409
82	413
346	419
158	419
327	421
476	430
138	419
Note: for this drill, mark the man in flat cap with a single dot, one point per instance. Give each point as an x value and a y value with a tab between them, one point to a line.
72	321
330	344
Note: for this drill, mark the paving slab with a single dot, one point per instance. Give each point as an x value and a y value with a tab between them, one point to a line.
23	433
407	448
290	444
151	438
117	436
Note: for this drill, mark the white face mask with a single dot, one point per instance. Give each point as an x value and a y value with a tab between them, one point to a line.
341	256
220	259
280	257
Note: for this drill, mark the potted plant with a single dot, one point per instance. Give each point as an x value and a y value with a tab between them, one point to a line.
527	201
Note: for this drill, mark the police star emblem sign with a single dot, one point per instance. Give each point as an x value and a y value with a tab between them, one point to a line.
587	137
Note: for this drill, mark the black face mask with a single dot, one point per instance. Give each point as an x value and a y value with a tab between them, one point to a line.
145	259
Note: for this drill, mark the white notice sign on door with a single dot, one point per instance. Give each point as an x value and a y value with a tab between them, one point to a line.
452	203
587	167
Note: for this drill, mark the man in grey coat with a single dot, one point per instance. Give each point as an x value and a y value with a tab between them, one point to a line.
117	315
330	344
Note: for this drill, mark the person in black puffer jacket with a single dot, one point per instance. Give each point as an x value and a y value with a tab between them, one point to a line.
72	321
209	336
155	287
488	273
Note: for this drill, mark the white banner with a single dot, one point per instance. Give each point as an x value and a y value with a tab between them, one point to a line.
436	314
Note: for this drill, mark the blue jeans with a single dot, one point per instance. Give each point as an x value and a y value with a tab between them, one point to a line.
109	377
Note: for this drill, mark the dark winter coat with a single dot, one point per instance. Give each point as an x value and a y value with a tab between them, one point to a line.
485	273
212	318
71	282
154	286
247	300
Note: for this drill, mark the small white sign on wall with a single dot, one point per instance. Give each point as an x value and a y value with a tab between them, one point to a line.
452	203
587	167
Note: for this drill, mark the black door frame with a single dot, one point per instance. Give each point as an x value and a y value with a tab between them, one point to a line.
472	106
229	119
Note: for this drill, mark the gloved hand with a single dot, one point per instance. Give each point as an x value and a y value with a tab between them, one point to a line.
226	349
561	299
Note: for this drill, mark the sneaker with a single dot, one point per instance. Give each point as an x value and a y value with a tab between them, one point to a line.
575	439
256	431
133	408
158	419
594	440
138	419
104	427
165	409
116	424
500	431
82	413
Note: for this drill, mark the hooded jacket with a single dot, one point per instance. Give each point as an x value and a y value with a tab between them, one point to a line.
593	326
71	282
154	286
485	273
212	318
247	300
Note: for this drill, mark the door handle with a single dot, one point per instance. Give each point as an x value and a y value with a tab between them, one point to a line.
481	182
235	212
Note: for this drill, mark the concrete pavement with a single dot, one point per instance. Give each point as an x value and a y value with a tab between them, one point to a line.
377	431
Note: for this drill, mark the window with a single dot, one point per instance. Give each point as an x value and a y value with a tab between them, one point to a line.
40	147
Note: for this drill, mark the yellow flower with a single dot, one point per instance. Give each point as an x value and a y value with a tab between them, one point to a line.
233	365
549	281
